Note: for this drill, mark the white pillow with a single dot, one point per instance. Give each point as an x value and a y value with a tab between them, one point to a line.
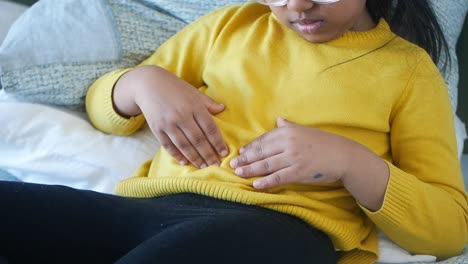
43	144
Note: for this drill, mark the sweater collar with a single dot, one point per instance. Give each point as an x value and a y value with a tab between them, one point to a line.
380	34
377	35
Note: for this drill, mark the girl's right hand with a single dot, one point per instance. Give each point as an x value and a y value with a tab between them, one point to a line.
176	112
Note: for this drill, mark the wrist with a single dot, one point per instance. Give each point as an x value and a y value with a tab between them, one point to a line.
145	77
129	88
350	154
366	177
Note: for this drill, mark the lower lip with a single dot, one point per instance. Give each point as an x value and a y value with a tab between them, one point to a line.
308	28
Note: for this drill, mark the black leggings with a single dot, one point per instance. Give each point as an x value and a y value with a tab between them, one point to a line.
57	224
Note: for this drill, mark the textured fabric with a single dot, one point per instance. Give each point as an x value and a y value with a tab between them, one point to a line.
112	33
189	10
343	100
65	225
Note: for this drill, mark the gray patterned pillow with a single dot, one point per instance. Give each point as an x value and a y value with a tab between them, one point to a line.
189	10
56	49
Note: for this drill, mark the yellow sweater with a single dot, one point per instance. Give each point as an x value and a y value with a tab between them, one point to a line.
372	87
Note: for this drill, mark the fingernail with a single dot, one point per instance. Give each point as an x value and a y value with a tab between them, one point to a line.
238	171
224	153
183	162
233	163
257	184
241	151
203	166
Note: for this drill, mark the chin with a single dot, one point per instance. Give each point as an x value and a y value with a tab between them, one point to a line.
315	39
319	38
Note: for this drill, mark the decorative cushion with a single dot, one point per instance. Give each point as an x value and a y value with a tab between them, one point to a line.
56	49
189	10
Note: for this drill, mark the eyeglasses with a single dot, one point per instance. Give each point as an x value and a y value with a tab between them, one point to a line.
285	2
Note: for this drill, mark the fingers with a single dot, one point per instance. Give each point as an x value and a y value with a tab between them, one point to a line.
201	149
262	167
212	106
259	149
280	177
176	143
267	157
212	134
199	143
281	122
172	149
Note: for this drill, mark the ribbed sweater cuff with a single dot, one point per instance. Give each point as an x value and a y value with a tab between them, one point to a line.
107	119
397	198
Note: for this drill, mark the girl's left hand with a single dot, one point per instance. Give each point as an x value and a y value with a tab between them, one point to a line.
292	153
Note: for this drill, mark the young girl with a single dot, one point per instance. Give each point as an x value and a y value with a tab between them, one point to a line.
292	130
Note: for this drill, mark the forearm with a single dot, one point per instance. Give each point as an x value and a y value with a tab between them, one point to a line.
124	94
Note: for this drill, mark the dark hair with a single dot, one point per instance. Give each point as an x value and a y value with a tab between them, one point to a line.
415	21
